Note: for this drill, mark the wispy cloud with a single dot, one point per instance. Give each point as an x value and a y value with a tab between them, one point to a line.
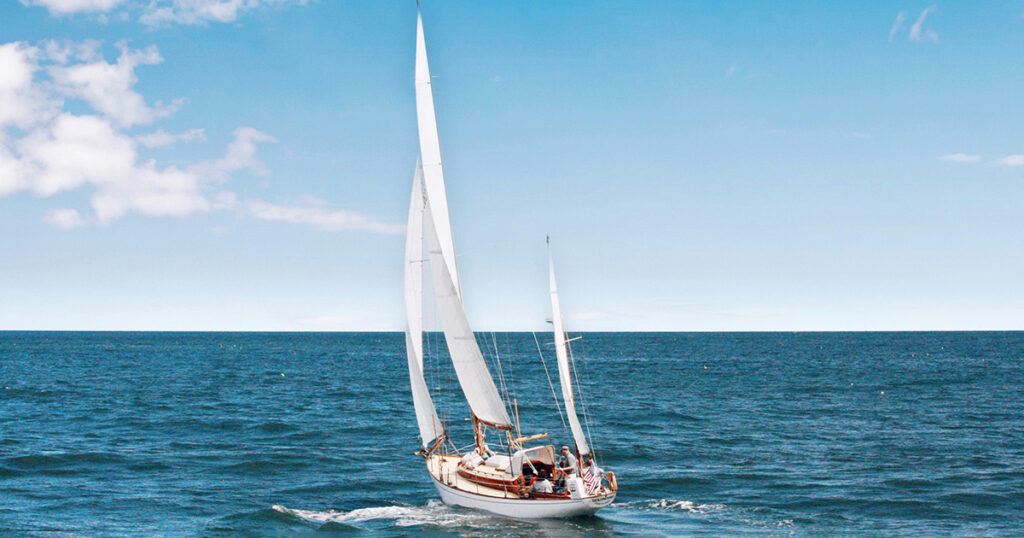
1012	160
731	71
67	7
918	33
65	219
900	18
961	158
161	12
161	138
313	212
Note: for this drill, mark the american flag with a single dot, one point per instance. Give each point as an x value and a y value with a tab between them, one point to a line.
591	479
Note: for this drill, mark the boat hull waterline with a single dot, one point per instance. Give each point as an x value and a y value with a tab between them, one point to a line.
524	508
456	490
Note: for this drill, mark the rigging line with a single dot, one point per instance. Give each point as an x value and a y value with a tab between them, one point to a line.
511	367
503	390
501	374
561	415
583	399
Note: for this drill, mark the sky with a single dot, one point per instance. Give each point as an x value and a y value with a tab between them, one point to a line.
700	166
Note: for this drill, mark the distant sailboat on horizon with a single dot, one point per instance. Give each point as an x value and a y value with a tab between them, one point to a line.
480	478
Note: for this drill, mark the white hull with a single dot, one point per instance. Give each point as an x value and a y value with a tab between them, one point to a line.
524	508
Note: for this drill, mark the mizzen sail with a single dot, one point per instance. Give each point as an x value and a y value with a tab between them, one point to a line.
564	374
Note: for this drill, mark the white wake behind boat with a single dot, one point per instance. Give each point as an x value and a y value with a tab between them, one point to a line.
478	478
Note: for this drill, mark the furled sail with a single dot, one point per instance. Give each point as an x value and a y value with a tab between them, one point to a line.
430	152
426	414
474	376
562	353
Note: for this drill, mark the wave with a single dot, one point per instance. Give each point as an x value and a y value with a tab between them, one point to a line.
673	505
434	513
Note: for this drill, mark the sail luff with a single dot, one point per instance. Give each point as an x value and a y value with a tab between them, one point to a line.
562	355
474	376
430	152
426	414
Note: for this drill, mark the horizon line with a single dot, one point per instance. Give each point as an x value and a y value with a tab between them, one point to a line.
624	331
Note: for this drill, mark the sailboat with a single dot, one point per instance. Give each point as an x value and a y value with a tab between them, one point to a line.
504	484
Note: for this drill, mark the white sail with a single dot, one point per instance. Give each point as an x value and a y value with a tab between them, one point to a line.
430	152
426	414
474	376
564	375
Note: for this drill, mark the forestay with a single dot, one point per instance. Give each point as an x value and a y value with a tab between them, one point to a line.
562	353
426	414
470	368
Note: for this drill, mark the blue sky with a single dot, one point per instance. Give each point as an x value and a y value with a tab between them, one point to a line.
245	165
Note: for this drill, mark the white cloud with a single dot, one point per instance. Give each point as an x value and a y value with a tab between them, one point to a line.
45	150
1012	160
320	217
918	32
54	151
87	151
12	170
73	151
731	71
242	151
160	12
65	7
961	158
161	138
22	103
65	219
900	18
109	88
64	51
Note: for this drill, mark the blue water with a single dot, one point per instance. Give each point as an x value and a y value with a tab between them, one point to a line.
224	434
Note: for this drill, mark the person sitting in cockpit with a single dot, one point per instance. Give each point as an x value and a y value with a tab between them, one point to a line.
541	484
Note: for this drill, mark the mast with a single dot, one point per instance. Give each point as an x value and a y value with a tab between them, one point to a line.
426	414
562	354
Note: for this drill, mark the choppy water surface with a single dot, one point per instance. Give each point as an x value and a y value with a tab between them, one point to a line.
710	434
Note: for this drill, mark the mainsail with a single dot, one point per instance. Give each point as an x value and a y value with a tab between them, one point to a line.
474	377
426	414
430	153
562	353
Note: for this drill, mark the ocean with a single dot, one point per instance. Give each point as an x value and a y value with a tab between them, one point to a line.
712	434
